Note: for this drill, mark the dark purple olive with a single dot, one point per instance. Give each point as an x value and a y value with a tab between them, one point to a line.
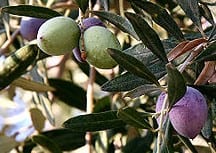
29	27
187	115
92	21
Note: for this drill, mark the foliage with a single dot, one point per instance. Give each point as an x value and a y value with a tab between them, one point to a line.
166	46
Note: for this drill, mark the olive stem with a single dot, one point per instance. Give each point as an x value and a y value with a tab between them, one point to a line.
90	104
161	121
7	43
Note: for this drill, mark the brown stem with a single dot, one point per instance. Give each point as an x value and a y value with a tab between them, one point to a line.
4	47
90	104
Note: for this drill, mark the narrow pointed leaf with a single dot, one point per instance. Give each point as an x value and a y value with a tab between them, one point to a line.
212	35
206	13
134	118
66	139
120	22
16	64
209	54
124	82
148	36
32	85
32	11
161	17
83	5
141	90
176	85
94	122
133	65
167	143
208	90
69	93
191	9
46	143
187	143
138	145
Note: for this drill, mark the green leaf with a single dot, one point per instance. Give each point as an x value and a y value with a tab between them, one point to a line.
134	118
212	34
143	54
94	122
161	17
167	143
138	145
208	90
191	9
69	93
141	90
206	13
132	65
32	11
187	143
148	36
124	82
120	22
46	143
16	64
208	54
176	84
28	146
83	5
102	105
66	139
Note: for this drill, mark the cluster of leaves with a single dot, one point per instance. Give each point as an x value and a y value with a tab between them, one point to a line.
145	65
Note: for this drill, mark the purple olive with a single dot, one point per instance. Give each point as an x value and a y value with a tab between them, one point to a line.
187	115
78	55
29	27
92	21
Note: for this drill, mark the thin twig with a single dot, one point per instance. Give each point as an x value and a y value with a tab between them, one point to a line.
163	113
4	47
90	104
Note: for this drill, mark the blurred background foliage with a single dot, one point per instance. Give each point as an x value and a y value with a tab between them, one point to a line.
50	91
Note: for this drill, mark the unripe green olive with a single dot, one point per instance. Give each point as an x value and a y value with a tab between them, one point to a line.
58	35
96	41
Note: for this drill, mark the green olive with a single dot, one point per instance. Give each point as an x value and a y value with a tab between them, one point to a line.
58	35
96	41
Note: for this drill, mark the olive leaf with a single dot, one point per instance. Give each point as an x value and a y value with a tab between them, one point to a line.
94	122
148	36
66	139
120	22
32	11
46	143
176	84
69	93
83	5
131	64
191	9
16	64
208	54
161	17
134	118
124	82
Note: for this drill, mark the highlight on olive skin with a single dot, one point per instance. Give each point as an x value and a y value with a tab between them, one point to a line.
29	27
96	41
58	36
189	114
